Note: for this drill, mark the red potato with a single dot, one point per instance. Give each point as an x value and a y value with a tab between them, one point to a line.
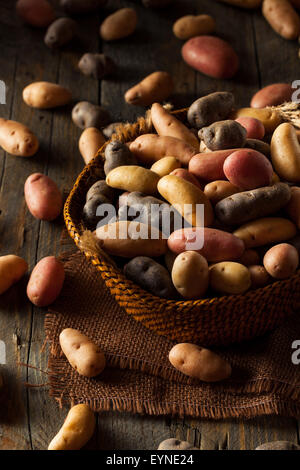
209	166
272	95
248	169
42	196
211	56
186	175
281	261
38	13
218	245
46	281
255	128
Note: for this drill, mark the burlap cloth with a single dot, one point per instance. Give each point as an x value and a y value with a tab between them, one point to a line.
139	377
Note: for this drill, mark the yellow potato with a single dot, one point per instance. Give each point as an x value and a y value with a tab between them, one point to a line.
155	87
282	17
269	117
82	353
45	95
91	140
190	275
266	231
218	190
12	268
186	198
229	277
77	429
133	178
17	139
165	166
189	26
243	3
119	25
285	153
167	124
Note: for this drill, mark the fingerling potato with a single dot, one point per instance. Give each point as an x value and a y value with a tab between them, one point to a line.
17	139
156	87
46	95
91	140
12	268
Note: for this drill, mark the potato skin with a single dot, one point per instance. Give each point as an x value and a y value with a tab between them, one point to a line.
255	128
79	6
199	363
259	276
190	275
209	166
91	140
117	154
109	130
17	139
97	66
285	152
43	197
281	261
189	26
46	95
266	231
176	444
165	166
12	268
119	25
187	176
77	429
151	276
250	205
229	277
60	32
156	87
210	108
85	114
38	13
269	117
100	187
133	178
223	135
218	190
272	95
259	146
89	213
46	281
282	17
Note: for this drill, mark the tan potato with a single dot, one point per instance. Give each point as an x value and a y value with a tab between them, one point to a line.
46	95
269	117
218	190
43	197
130	239
199	363
186	197
259	276
190	275
91	140
285	152
46	281
282	17
149	148
82	353
119	25
12	268
165	166
293	206
189	26
243	3
77	429
176	444
281	261
229	277
250	257
167	124
156	87
17	139
266	231
133	178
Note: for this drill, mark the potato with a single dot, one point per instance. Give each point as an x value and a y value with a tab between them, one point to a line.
78	6
250	205
133	178
46	281
272	95
223	135
217	244
149	148
85	114
278	445
109	130
270	118
176	444
12	268
187	176
209	166
199	363
190	275
211	55
130	239
151	276
119	25
266	231
293	207
89	215
165	166
229	277
243	3
43	197
77	429
255	128
259	146
186	197
210	108
248	169
285	152
100	187
17	139
189	26
38	13
156	3
157	86
60	32
91	140
259	276
281	261
167	124
218	190
96	65
45	95
282	17
249	258
117	154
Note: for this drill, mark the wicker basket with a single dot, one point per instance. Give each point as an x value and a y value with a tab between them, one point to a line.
213	321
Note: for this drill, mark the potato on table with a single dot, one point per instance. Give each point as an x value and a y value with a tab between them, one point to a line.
46	95
190	275
91	140
96	65
229	277
60	32
223	135
17	139
85	114
46	281
282	17
38	13
189	26
210	108
156	87
119	25
117	154
12	269
43	197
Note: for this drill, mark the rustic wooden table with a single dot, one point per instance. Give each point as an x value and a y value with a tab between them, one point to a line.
29	418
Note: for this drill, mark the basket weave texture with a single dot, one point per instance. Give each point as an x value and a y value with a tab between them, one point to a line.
214	321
